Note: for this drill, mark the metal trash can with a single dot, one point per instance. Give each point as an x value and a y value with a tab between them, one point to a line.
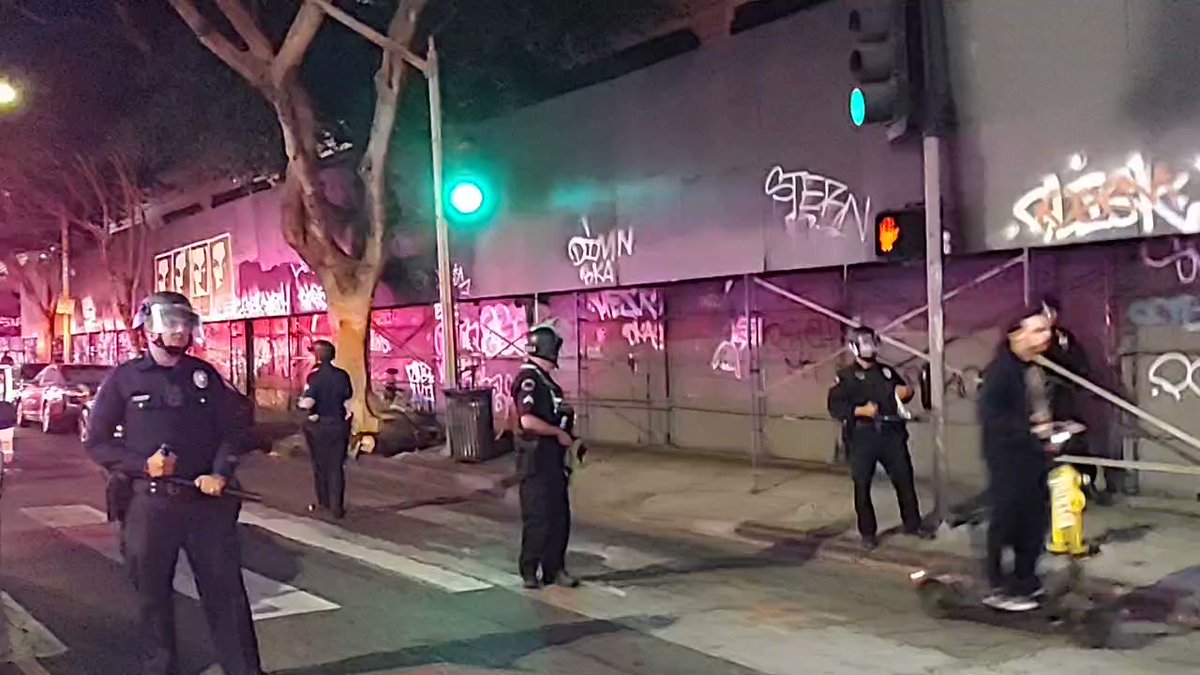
469	425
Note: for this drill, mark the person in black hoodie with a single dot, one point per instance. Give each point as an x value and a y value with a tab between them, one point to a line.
1016	419
1067	404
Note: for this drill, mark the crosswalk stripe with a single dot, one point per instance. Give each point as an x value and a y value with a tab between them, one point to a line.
28	639
374	552
269	599
615	556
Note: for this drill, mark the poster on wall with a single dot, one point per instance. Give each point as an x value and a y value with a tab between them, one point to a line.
202	271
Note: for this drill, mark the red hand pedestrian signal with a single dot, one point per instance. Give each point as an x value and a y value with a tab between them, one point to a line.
889	233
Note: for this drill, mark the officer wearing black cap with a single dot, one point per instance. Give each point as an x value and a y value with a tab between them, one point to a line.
544	439
867	397
327	428
180	438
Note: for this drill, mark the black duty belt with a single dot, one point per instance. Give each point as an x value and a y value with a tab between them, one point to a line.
184	488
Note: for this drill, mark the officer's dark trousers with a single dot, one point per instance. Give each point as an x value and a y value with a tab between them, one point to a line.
1019	521
546	523
155	529
327	441
868	448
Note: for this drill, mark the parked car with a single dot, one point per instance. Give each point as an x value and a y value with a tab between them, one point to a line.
57	396
244	408
22	375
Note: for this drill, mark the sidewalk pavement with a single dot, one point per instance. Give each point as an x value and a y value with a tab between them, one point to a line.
1149	544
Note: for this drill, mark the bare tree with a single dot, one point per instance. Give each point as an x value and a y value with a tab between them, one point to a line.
98	197
37	276
349	271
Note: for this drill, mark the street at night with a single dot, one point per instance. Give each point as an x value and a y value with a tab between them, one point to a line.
582	337
413	588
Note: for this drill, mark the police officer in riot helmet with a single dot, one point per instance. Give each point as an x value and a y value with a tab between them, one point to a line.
178	447
544	442
868	397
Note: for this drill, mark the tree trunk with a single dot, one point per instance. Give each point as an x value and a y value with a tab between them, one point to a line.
350	318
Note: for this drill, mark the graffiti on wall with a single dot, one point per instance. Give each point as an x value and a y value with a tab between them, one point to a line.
1136	196
1181	311
1174	374
421	382
1184	258
460	281
310	294
595	256
639	311
498	332
731	354
817	202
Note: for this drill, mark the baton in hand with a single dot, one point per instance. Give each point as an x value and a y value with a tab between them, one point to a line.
227	492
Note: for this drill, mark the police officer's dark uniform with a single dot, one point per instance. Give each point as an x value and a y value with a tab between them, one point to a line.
327	428
186	409
542	464
882	439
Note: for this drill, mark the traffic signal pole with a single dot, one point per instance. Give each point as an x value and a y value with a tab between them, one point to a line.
445	270
935	120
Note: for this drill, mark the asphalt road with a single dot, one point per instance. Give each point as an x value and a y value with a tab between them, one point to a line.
403	586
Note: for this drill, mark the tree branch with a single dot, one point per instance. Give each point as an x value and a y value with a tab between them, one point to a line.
247	28
129	27
254	70
386	42
299	37
373	168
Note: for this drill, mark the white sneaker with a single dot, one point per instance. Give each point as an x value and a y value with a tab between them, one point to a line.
1019	603
996	601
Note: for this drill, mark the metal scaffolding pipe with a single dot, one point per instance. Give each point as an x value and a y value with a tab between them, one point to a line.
1131	465
1170	429
841	318
906	317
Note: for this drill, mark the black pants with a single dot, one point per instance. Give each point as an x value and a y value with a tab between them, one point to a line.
156	527
868	448
1018	523
546	523
327	442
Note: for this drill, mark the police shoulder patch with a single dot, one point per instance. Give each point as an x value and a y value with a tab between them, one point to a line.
200	379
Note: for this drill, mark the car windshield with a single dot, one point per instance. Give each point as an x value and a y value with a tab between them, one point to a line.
85	375
30	370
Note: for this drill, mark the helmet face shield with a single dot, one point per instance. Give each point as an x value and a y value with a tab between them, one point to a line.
174	327
864	344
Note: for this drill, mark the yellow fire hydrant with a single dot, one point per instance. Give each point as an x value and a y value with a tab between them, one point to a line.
1066	511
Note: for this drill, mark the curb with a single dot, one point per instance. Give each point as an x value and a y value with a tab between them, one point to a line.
495	479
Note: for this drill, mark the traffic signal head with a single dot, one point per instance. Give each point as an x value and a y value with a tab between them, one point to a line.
900	235
885	62
470	198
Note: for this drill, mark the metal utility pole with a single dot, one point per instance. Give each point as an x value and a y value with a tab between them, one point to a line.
66	307
935	111
445	270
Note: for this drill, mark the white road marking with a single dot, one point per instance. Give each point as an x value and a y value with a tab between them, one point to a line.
269	599
374	552
28	639
615	556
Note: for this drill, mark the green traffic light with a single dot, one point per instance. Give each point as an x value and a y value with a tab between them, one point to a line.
858	107
466	198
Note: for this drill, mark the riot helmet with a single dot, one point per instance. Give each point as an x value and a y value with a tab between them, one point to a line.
863	343
165	316
544	343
